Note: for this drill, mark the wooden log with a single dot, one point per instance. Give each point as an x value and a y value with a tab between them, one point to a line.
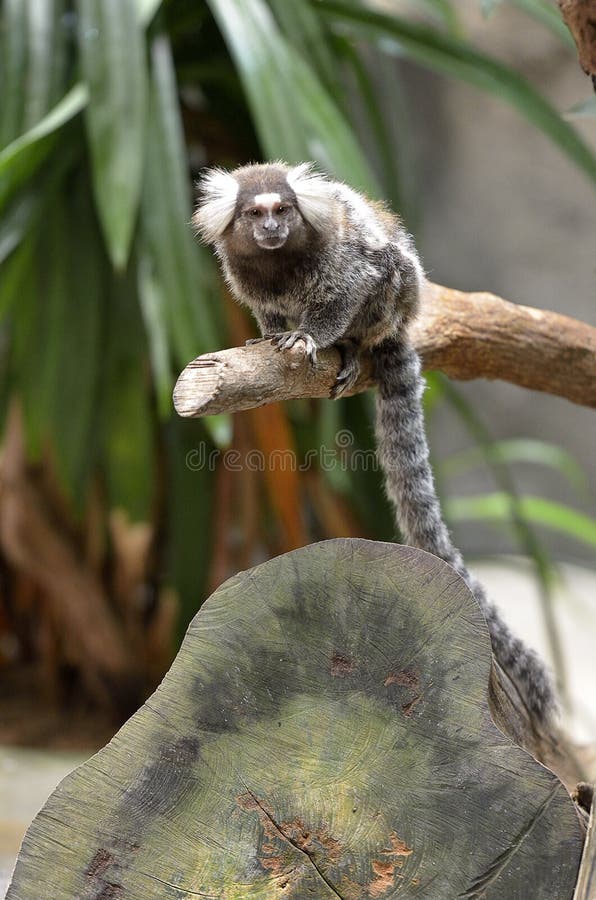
325	732
466	336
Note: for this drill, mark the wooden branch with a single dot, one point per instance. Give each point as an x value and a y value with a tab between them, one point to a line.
580	18
467	336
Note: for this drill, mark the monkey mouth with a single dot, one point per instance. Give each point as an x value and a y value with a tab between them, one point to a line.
273	242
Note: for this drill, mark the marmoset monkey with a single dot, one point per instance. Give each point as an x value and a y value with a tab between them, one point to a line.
312	255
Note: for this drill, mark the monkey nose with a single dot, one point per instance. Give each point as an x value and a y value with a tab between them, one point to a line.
270	224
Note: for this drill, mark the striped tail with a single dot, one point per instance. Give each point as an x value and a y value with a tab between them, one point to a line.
404	457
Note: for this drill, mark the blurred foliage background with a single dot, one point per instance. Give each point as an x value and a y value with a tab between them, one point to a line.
116	517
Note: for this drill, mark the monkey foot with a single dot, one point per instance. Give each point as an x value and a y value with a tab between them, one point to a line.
287	339
350	369
260	340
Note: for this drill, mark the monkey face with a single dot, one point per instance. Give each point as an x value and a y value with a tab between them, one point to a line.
263	208
267	222
270	221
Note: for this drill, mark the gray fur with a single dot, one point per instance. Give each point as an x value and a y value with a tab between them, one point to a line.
354	281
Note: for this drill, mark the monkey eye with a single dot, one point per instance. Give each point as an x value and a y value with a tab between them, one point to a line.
255	212
282	208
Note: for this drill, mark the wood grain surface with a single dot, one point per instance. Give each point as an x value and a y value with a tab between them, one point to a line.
323	732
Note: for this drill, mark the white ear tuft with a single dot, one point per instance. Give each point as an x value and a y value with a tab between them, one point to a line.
219	191
314	194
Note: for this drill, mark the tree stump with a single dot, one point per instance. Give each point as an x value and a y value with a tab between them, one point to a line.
324	732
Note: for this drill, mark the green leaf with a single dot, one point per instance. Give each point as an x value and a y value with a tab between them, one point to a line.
386	114
112	55
444	11
71	104
127	425
38	322
15	223
146	10
128	445
518	521
30	203
295	117
13	62
496	507
17	272
520	450
20	159
303	28
53	312
78	345
189	537
20	283
184	270
257	46
46	60
154	309
448	55
58	358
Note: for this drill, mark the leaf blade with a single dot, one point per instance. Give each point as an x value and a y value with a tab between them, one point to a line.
522	450
496	507
183	268
282	90
185	271
450	56
111	50
13	61
23	156
46	58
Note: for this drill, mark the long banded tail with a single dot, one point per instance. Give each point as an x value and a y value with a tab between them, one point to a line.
409	482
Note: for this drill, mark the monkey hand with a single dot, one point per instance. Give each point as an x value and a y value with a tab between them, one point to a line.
287	339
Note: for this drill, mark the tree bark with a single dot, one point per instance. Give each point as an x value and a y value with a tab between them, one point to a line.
475	335
580	18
